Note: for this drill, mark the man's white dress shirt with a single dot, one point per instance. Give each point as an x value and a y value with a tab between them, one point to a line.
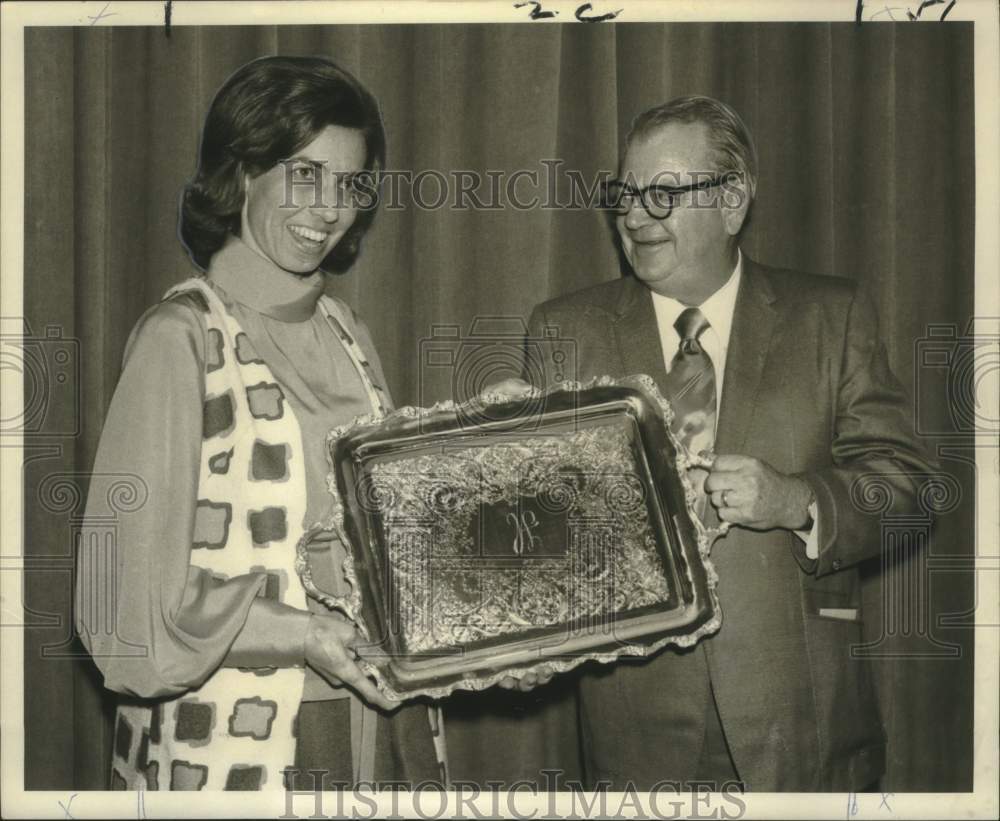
718	309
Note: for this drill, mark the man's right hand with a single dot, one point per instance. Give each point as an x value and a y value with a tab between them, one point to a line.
528	682
330	651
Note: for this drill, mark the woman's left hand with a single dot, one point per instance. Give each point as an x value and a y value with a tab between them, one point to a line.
331	648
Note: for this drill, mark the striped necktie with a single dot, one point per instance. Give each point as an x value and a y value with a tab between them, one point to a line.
690	388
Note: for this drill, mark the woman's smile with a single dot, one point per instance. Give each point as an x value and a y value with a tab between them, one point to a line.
309	239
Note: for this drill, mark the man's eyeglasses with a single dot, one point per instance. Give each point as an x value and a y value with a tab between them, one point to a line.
658	200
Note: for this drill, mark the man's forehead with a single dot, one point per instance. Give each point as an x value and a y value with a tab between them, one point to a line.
671	150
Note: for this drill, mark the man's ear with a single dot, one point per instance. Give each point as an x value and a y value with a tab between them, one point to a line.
735	204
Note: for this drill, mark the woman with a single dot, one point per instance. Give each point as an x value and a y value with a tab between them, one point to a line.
229	387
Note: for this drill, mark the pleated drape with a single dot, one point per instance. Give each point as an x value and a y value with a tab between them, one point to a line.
865	136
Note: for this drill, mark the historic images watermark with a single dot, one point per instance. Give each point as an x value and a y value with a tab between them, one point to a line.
961	366
46	368
956	377
496	348
550	186
665	800
47	365
90	559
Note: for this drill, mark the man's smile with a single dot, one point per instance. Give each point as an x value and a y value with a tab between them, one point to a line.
651	243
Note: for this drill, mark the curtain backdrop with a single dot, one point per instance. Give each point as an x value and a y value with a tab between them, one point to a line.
865	135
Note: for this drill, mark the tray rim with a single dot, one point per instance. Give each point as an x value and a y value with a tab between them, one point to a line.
352	604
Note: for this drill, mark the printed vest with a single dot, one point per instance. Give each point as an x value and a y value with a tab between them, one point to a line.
236	731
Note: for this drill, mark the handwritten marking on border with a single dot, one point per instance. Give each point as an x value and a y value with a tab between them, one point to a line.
902	13
581	13
101	14
65	807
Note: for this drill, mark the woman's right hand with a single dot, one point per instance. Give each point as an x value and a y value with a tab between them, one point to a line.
330	651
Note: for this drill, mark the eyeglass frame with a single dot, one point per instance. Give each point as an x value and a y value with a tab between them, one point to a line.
671	190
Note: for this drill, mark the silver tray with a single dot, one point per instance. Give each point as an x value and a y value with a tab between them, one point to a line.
491	537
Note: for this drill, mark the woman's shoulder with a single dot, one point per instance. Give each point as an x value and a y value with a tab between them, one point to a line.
172	326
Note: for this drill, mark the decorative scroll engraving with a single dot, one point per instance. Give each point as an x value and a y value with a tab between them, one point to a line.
584	479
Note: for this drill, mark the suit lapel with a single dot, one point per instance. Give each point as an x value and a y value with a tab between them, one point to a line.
636	333
637	337
754	322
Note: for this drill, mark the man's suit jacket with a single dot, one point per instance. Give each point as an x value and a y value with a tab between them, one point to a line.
807	389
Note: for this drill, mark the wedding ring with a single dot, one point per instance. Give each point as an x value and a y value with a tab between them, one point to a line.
725	501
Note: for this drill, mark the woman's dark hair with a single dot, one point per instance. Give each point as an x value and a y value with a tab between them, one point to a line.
264	113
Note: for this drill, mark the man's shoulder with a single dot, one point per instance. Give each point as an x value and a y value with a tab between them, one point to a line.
801	286
607	298
601	298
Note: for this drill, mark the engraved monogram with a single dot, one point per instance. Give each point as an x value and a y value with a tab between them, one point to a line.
524	538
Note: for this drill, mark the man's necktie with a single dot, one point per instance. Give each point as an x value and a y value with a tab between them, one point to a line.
690	388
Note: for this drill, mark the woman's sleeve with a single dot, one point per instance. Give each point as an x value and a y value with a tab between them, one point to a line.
154	624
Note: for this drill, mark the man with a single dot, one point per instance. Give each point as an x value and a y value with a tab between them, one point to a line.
784	371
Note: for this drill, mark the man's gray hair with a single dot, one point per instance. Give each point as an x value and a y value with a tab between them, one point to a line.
731	139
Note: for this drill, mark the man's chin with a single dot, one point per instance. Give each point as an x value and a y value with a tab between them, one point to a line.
651	278
653	265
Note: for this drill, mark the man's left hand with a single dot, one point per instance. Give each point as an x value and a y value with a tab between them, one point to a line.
747	491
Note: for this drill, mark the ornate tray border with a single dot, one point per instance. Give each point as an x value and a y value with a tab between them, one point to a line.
350	605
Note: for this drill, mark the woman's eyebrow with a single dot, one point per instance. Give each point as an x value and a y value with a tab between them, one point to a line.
310	160
320	164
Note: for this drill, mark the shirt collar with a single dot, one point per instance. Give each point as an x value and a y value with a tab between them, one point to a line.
718	309
258	283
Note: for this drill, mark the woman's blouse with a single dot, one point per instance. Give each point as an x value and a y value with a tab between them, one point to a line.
190	621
